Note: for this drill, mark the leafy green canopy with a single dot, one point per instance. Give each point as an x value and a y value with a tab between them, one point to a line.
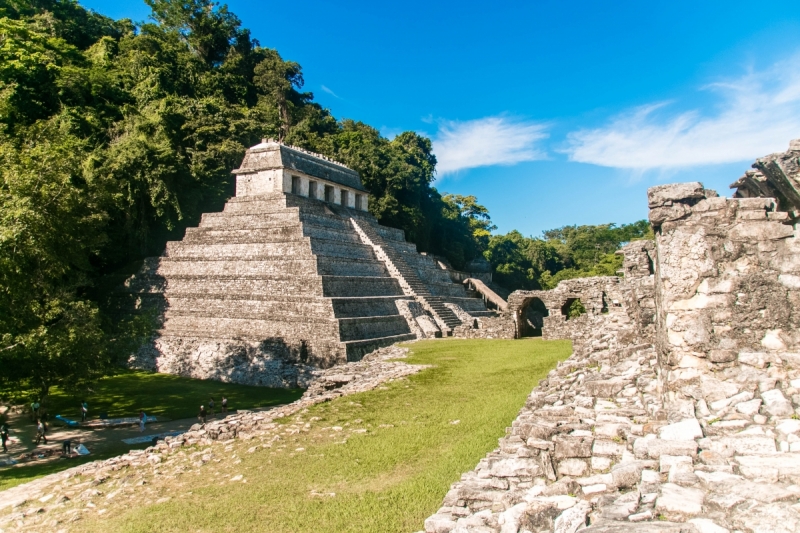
114	137
570	252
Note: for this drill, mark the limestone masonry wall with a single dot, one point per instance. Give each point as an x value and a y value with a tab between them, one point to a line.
679	408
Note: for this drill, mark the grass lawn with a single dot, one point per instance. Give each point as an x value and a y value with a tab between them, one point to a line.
163	395
421	434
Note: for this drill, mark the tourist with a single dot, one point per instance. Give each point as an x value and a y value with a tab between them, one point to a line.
40	429
66	448
211	407
202	415
35	411
84	410
4	435
142	420
224	405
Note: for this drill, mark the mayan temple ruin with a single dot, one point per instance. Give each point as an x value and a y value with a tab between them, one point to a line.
677	412
294	274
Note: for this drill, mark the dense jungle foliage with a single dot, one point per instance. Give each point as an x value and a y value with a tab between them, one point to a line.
115	136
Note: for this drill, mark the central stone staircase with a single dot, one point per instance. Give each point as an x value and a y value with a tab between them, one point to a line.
394	256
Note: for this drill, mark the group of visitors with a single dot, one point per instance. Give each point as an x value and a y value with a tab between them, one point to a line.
205	413
40	418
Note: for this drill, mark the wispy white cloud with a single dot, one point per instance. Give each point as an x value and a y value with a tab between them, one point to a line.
330	92
753	115
485	142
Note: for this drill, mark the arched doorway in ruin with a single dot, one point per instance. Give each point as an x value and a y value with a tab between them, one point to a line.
572	308
532	318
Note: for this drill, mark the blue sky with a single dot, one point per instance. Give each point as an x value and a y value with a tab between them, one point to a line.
551	112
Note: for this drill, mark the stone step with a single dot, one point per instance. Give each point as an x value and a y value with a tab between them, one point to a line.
347	250
258	198
262	220
243	286
362	328
389	234
349	307
252	329
468	304
275	266
177	249
446	290
290	233
256	306
339	266
358	349
242	236
305	247
333	286
255	207
486	314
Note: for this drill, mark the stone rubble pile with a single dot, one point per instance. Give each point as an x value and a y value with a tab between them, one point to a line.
46	501
591	447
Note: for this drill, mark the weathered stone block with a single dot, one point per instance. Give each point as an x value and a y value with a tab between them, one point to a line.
567	446
674	192
679	503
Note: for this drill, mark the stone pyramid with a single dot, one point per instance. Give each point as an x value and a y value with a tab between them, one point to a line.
294	274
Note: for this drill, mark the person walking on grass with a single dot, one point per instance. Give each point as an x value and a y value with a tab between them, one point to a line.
142	420
202	415
211	407
66	448
40	429
84	410
4	435
224	409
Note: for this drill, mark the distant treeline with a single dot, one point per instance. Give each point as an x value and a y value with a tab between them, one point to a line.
564	253
116	136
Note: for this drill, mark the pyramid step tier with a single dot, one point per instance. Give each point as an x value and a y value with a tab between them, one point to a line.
361	328
351	307
357	349
334	286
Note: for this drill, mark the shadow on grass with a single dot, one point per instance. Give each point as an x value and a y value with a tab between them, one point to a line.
164	395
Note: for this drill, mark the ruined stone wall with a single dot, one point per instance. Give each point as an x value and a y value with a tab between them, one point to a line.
682	417
728	289
501	327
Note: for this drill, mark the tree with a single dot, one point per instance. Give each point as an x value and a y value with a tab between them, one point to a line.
50	223
279	82
114	138
210	29
563	253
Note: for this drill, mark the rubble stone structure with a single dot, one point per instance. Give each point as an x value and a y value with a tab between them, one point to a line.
294	274
774	176
679	408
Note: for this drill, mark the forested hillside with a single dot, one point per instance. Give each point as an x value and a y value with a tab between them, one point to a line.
115	136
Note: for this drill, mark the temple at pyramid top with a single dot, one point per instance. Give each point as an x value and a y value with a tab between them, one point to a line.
275	167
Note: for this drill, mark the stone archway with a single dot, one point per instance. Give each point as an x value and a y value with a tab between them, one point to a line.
531	320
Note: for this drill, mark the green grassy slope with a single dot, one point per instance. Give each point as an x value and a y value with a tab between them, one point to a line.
421	434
